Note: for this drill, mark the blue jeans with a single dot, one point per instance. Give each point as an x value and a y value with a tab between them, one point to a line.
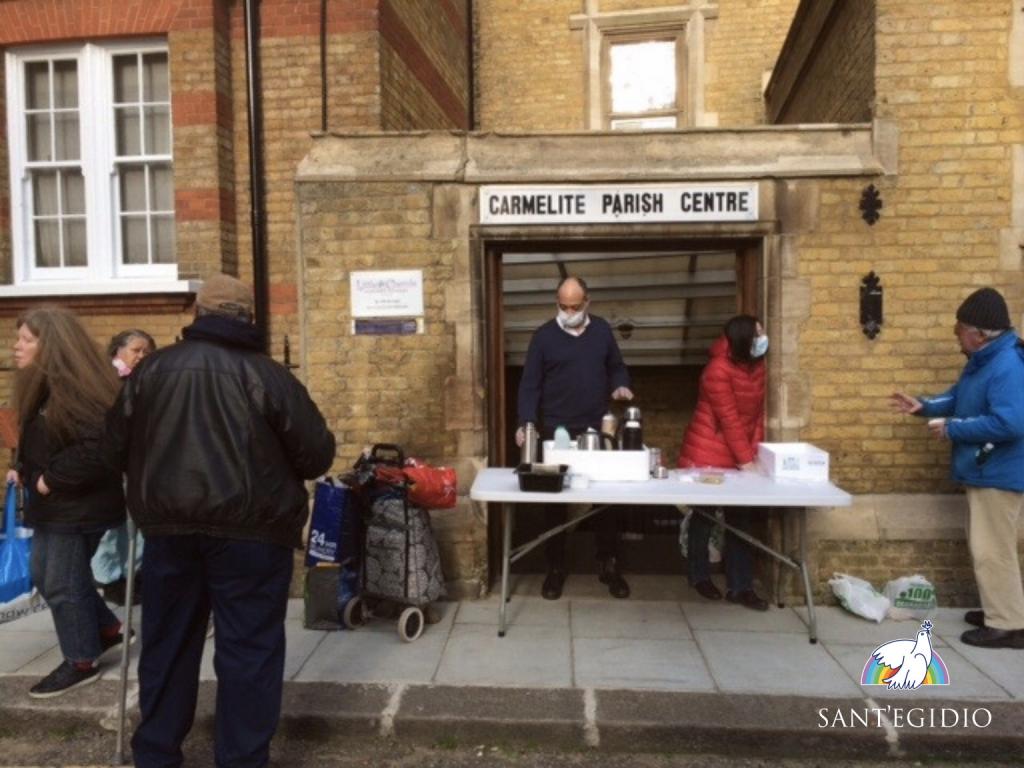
60	569
110	563
738	555
246	584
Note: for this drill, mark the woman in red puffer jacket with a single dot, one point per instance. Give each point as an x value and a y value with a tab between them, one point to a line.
727	425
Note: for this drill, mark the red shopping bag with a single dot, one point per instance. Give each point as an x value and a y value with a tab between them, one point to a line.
430	487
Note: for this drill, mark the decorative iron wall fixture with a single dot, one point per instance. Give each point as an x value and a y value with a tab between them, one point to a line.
870	204
871	305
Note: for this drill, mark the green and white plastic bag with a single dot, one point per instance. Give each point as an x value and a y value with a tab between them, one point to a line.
911	597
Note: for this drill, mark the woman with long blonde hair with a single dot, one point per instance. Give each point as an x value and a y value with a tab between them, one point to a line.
63	387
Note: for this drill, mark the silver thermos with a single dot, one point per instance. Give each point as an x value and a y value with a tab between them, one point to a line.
528	453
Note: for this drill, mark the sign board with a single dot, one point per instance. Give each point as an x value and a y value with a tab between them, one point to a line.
392	293
618	204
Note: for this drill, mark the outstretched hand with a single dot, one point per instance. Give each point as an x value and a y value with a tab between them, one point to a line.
904	403
520	437
622	393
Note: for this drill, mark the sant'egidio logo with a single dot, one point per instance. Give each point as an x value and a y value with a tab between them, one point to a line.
906	664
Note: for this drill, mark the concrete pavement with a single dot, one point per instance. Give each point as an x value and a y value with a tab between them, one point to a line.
664	670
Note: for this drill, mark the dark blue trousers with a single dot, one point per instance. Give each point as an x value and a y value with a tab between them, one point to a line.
738	555
245	584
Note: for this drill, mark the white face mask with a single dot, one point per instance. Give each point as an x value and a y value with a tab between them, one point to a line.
759	346
572	319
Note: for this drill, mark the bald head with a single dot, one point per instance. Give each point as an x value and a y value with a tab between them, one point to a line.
572	294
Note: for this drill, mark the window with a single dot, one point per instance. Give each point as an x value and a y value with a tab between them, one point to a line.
92	192
643	84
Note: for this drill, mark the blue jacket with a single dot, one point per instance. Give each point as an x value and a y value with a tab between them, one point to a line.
986	406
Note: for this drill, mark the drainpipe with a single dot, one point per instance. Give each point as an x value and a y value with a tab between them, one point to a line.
323	66
257	208
470	67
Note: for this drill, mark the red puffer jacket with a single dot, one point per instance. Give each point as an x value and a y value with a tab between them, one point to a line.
729	420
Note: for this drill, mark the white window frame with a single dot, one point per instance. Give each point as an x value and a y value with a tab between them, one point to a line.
105	271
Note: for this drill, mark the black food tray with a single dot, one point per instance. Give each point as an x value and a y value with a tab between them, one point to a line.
541	482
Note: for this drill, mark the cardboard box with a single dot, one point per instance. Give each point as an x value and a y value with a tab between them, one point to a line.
798	461
602	466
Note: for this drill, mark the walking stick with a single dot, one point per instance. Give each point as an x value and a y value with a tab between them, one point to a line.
126	629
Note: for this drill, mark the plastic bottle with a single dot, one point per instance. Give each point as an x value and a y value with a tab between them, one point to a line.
561	438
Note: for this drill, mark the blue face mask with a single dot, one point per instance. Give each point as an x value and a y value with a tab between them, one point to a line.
759	347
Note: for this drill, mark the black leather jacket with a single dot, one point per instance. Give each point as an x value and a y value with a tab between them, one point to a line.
85	494
216	438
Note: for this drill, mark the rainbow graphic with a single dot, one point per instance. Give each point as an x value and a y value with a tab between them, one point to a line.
877	674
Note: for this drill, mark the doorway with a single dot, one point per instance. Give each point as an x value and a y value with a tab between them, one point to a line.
666	302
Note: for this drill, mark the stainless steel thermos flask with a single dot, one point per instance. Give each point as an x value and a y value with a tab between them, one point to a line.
528	453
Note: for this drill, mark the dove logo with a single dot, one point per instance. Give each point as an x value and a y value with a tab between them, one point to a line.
906	664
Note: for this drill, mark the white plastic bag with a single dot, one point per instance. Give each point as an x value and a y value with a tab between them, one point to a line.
859	597
20	607
911	597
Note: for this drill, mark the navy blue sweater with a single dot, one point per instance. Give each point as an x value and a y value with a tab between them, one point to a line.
568	379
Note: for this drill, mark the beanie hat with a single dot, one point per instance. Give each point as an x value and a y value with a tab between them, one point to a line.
225	295
985	309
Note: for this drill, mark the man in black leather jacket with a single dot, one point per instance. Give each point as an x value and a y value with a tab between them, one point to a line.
216	439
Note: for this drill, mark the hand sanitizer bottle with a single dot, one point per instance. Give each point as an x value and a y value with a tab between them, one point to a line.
561	438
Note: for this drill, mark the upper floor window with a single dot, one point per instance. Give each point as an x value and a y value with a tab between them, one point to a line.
92	193
643	82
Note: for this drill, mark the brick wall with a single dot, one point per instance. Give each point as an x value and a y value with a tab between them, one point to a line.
834	76
743	45
424	78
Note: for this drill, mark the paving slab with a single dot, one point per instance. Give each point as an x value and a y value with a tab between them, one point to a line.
628	619
640	664
20	649
719	614
528	656
520	611
838	625
1005	666
966	681
772	664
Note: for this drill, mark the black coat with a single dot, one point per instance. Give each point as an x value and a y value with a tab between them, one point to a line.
85	494
216	438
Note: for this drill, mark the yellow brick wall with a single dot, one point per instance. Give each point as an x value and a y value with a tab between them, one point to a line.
942	77
531	71
743	44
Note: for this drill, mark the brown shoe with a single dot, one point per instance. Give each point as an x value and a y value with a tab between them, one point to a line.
975	618
707	590
990	637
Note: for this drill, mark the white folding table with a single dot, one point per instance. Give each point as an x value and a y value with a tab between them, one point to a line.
682	488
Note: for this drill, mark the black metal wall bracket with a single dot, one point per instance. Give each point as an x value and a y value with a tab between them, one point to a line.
871	305
870	204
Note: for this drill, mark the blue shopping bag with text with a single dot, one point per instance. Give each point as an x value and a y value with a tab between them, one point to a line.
333	529
15	577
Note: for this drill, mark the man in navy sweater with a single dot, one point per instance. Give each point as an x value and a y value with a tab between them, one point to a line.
572	367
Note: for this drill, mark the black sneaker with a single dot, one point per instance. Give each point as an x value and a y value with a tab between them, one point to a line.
63	679
114	641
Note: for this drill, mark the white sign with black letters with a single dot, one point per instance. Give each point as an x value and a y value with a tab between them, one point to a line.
618	204
391	293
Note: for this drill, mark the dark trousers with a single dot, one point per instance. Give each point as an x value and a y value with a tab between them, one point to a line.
245	583
738	555
60	569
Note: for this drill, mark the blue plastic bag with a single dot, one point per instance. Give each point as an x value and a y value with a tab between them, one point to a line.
15	549
334	528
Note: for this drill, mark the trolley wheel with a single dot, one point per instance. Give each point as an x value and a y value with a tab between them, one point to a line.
410	624
353	615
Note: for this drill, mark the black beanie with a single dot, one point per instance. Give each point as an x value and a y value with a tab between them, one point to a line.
985	309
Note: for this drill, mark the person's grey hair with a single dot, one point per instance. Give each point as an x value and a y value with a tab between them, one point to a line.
124	338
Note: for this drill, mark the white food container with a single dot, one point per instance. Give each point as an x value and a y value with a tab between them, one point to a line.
602	466
798	461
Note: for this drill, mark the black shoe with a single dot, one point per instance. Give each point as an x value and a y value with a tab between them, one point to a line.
106	643
990	637
707	589
975	618
610	576
63	679
748	599
114	592
552	587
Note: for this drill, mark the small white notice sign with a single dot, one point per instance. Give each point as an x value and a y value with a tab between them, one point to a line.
618	204
391	293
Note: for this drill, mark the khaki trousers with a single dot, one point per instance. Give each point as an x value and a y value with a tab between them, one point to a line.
992	537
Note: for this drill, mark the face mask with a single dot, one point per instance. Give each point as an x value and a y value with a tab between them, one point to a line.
571	320
759	347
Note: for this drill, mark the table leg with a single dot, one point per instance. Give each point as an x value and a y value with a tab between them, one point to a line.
812	620
782	548
506	551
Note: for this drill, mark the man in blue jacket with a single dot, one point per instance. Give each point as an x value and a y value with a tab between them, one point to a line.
983	416
573	365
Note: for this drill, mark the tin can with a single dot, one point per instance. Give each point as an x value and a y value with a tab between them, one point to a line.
655	456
